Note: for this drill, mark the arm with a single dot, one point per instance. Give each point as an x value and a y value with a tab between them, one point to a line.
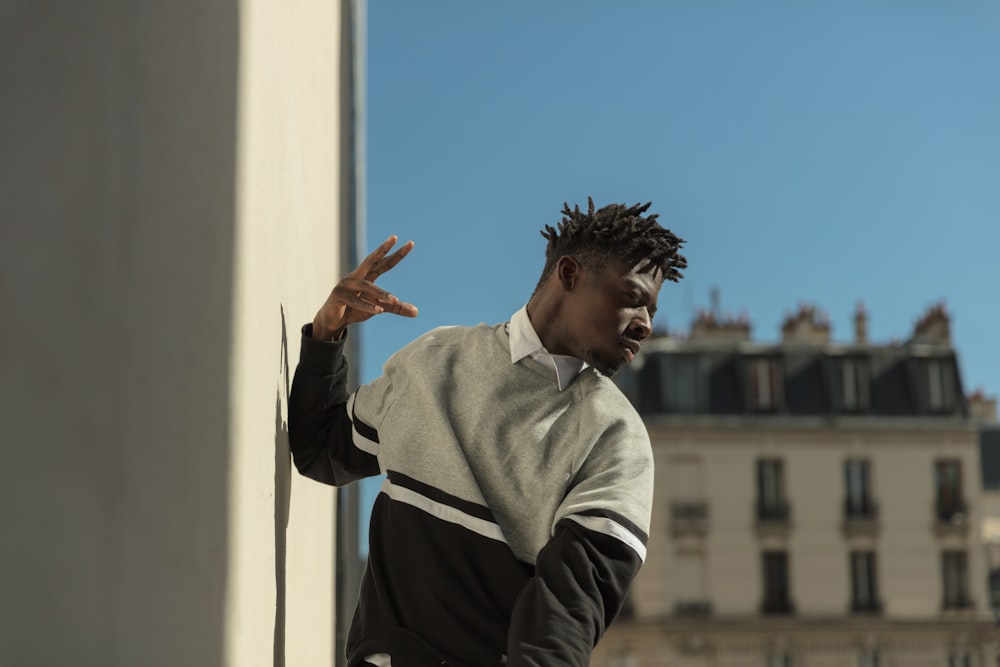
321	433
582	577
598	543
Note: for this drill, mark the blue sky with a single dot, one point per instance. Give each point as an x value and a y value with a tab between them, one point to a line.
808	152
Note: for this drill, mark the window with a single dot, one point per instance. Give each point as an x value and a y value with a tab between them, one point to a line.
691	510
954	580
776	597
688	509
994	580
779	660
868	659
680	383
940	387
854	384
764	384
857	490
864	590
948	491
690	589
771	504
623	659
959	660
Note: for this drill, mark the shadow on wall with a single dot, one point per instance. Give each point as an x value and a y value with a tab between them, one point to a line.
117	192
282	500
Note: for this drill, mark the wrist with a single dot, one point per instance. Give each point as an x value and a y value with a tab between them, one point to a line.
326	333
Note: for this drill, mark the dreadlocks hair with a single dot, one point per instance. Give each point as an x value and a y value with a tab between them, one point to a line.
613	232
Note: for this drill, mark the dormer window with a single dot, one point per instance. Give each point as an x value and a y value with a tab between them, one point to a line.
939	384
854	384
764	384
682	383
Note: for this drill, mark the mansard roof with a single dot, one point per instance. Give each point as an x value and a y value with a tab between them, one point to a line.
716	372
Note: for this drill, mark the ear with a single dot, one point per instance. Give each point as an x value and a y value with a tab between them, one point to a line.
568	272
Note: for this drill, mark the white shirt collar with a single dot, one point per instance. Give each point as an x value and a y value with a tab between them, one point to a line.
524	342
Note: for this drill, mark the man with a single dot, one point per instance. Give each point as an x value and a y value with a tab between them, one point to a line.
516	507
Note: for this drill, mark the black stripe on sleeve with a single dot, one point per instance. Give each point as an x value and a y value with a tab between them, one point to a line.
619	519
362	428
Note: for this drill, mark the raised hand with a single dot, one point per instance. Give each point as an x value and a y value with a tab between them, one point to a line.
356	297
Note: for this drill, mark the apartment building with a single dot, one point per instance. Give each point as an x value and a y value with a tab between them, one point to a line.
983	409
817	503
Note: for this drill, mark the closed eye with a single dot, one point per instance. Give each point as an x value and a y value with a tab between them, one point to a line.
640	299
634	300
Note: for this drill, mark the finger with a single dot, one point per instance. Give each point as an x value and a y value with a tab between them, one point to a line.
400	308
374	305
368	290
368	299
361	304
386	264
376	256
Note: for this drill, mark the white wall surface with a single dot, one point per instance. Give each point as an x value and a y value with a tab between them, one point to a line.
170	213
287	260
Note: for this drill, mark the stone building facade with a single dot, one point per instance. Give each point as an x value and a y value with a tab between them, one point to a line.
818	503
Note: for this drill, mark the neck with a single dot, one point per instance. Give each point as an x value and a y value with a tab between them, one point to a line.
543	311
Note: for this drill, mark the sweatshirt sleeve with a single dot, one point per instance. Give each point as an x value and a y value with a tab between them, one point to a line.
325	444
581	580
583	574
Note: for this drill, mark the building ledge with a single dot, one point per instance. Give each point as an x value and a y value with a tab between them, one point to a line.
919	423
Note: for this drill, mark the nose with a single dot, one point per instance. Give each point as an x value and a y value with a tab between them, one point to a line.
642	325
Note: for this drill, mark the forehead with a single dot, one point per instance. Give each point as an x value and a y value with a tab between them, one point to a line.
633	275
627	277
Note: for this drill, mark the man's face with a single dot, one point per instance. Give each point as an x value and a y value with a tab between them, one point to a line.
609	312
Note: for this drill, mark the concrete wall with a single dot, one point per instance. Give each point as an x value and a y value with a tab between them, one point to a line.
172	198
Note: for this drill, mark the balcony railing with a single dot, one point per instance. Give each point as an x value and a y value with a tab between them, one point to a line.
958	602
860	509
773	512
866	607
689	511
777	607
693	609
954	513
689	517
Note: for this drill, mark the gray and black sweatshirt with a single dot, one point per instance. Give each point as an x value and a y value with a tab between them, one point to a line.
513	516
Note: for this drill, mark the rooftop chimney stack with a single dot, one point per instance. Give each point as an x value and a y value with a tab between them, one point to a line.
808	326
983	408
934	327
714	325
725	329
860	324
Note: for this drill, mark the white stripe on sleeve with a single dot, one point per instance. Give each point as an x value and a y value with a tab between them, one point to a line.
360	441
611	528
442	511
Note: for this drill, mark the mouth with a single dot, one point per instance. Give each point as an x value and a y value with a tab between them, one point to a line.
630	348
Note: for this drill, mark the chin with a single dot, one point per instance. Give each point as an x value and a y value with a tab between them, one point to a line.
601	365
